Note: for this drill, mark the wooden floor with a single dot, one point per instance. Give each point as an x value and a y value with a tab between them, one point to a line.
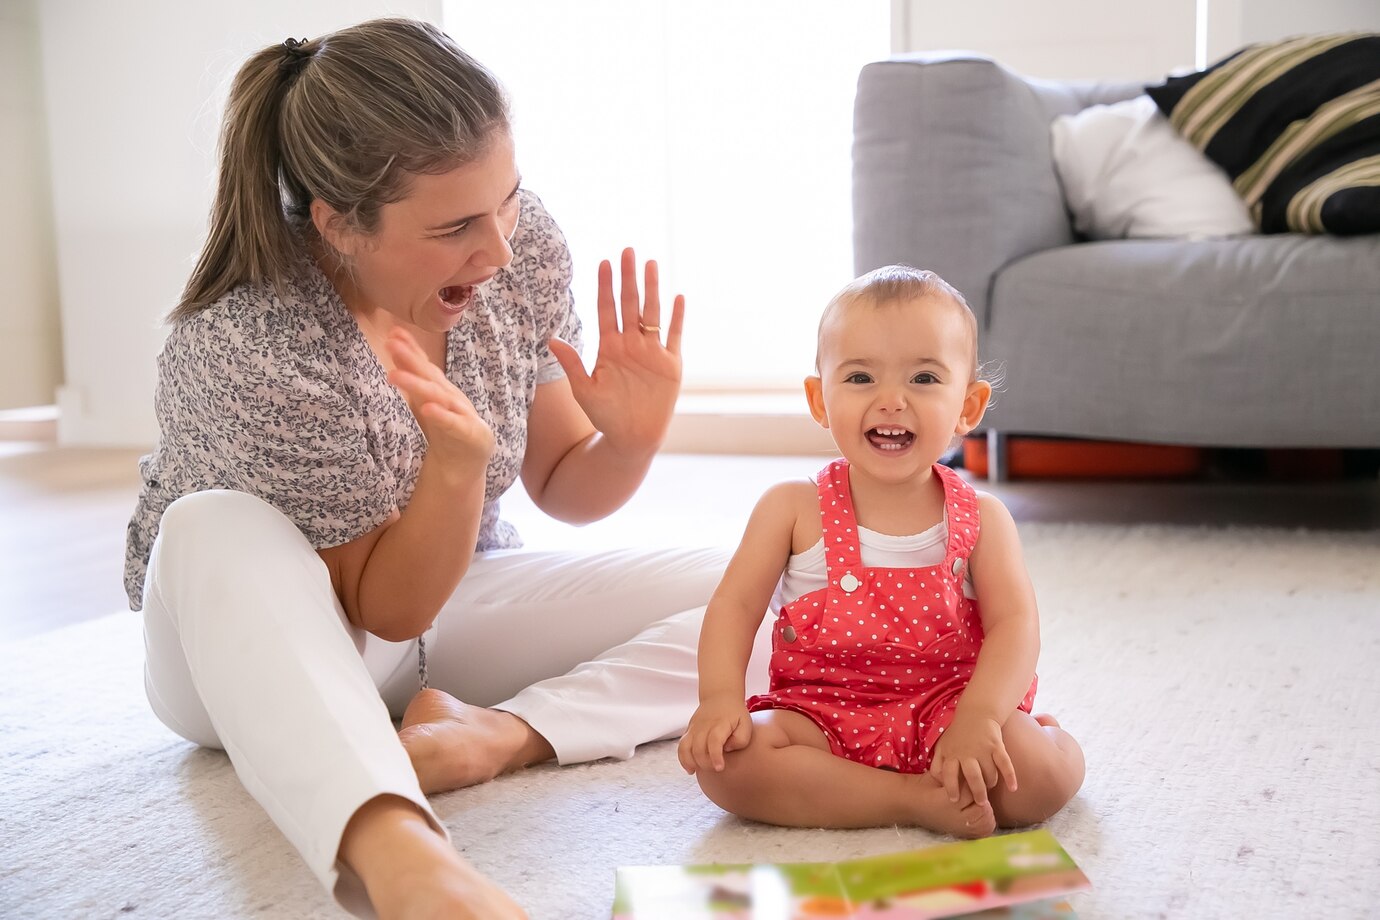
61	534
63	513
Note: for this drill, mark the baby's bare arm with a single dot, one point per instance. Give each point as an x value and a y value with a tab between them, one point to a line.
1010	618
972	750
735	611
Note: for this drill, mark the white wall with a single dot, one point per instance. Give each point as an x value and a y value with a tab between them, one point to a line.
30	346
1233	23
1056	39
1096	40
133	94
1267	20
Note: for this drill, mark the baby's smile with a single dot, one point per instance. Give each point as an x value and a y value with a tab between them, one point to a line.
890	437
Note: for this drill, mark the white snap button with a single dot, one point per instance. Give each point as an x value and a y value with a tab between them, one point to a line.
849	582
958	567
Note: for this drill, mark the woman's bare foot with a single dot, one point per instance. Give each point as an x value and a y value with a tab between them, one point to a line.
453	744
411	872
964	818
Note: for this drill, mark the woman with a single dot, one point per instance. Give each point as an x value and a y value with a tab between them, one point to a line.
376	342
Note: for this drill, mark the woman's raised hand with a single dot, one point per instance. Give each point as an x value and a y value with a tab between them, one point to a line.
452	427
631	392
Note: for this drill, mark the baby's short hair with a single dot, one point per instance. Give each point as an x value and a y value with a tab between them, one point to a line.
892	283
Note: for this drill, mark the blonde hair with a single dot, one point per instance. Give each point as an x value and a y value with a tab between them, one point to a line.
347	119
898	283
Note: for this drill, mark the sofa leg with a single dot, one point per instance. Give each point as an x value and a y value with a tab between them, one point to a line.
996	456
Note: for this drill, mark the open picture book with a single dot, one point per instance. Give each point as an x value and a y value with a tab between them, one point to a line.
1023	876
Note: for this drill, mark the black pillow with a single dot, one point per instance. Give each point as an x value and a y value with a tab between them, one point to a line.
1295	124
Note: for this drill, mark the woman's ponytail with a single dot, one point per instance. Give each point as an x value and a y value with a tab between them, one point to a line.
250	237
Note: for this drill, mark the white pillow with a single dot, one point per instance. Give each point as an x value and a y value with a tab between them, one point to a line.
1127	173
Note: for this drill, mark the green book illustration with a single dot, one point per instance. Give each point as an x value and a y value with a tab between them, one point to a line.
1016	876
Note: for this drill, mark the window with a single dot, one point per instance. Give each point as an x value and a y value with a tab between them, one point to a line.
713	136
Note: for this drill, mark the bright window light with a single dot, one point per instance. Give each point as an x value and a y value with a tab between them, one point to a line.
713	136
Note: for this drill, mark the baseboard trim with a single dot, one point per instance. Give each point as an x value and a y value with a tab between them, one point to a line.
745	424
36	423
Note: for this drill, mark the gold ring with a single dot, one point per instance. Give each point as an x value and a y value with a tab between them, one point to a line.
654	330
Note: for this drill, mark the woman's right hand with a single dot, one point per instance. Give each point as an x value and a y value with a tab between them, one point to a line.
452	427
721	724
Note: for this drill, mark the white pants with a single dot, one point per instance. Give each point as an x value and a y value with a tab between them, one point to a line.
249	649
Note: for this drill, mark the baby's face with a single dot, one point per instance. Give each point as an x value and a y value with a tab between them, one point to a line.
895	382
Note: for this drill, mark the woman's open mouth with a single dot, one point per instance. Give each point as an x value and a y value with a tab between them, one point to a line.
890	438
456	297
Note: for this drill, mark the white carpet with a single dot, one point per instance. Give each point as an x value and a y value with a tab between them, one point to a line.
1222	682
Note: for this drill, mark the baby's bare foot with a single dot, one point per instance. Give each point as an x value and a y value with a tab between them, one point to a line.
1047	720
964	818
453	744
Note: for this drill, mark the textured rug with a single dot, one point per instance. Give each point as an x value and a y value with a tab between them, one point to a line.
1222	682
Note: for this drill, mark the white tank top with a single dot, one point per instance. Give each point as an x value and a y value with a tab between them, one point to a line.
805	572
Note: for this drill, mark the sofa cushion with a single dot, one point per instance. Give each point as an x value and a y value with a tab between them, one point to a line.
1252	341
1296	124
1127	173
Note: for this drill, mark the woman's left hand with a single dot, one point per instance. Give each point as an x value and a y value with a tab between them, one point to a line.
631	392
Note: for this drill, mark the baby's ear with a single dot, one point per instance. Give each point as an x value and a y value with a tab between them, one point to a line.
974	406
814	395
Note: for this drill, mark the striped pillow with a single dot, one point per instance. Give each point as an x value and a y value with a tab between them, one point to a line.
1295	124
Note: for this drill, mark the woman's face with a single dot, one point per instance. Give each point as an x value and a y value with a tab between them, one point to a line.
434	247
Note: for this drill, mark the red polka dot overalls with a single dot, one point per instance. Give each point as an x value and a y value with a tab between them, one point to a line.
879	657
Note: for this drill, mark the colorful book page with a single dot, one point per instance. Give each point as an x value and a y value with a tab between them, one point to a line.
1016	876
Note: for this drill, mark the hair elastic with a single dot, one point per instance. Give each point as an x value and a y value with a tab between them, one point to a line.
297	55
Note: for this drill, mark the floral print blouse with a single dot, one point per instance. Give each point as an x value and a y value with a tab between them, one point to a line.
282	398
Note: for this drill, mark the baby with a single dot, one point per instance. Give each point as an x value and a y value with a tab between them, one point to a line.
906	635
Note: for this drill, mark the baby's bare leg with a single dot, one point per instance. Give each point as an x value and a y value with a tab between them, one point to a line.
1049	770
788	775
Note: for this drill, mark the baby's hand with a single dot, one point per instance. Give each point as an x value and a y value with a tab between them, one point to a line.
971	750
720	724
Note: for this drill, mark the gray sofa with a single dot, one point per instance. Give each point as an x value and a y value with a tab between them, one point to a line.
1261	341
